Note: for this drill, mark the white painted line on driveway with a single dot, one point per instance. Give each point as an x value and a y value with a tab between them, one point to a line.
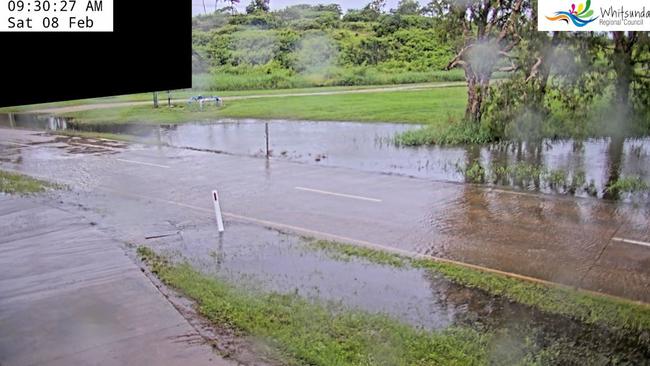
630	241
338	194
143	163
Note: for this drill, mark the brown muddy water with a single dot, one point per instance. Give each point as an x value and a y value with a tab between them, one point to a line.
575	167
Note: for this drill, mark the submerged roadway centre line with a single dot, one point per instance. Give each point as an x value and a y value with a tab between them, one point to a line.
371	245
630	241
143	163
338	194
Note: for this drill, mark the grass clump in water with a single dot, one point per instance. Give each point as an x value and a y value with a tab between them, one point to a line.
12	183
316	334
350	252
629	185
450	133
585	307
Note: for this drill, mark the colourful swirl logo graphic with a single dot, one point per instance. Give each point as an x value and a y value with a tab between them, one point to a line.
579	17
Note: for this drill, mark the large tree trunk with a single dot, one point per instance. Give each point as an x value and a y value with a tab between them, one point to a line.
477	89
624	67
615	157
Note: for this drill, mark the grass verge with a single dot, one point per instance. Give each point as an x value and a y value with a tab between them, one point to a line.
317	334
187	93
432	106
13	183
588	308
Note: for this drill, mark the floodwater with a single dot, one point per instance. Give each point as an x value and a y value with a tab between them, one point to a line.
268	260
274	261
581	168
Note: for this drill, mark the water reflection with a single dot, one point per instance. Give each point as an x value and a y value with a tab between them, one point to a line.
576	167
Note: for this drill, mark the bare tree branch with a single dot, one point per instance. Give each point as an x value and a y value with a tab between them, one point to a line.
458	60
534	70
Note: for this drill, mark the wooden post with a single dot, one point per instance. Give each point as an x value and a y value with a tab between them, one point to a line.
155	99
266	133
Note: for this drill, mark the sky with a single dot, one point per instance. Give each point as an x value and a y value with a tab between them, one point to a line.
197	5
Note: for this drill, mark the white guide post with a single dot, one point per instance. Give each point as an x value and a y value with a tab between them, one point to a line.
217	210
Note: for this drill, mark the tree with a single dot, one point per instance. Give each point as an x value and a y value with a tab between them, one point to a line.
232	8
623	62
407	7
490	31
376	5
258	6
437	8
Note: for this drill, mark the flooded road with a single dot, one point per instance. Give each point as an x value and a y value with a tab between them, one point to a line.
598	245
160	197
568	167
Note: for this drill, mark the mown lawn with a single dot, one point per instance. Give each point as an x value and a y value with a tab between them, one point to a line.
432	106
187	93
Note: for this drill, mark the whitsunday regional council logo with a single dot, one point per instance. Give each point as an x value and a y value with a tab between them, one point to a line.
596	15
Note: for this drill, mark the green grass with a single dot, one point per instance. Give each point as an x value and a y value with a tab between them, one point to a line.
187	93
432	106
455	131
13	183
312	333
629	185
255	78
586	307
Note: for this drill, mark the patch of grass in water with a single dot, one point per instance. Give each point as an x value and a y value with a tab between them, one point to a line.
585	307
317	334
454	132
13	183
629	185
351	252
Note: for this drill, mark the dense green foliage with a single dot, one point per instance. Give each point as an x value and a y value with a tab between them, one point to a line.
305	45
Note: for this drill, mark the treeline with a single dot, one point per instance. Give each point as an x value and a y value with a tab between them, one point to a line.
319	45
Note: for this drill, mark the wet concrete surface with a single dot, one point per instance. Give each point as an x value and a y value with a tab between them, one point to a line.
70	296
557	239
